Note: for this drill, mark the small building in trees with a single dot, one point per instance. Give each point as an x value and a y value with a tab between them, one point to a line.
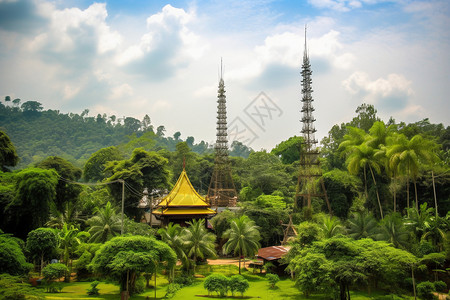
271	255
182	204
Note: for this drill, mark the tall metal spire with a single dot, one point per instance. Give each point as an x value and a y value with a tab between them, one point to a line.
310	169
222	192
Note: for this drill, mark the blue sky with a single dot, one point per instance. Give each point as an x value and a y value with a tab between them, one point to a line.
131	58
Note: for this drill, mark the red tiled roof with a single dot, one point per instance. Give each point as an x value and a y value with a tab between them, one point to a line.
273	252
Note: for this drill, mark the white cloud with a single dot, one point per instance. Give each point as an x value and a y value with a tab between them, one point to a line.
121	92
168	45
391	93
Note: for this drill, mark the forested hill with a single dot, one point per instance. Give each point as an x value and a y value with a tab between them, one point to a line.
37	133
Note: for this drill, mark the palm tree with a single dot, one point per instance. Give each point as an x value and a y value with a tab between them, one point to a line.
104	225
71	215
243	238
362	225
331	226
379	134
364	156
70	237
171	236
393	231
406	157
197	241
354	137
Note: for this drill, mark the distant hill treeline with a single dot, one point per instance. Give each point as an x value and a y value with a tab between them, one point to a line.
37	133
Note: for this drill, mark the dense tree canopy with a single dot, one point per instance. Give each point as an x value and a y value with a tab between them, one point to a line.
8	154
124	258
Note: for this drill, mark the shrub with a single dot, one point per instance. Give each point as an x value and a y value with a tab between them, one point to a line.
172	289
183	280
273	279
93	290
440	286
216	283
237	283
54	271
425	290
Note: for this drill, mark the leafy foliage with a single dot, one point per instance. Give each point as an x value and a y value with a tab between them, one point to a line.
12	259
272	279
125	258
8	154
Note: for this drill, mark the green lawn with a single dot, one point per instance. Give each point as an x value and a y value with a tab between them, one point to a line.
259	288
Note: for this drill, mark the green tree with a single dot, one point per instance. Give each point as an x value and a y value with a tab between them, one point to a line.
362	225
243	238
364	156
407	156
125	258
143	169
105	225
394	232
220	223
42	244
331	226
65	191
273	279
289	150
171	235
70	237
238	283
216	283
95	165
52	272
35	191
8	154
12	259
198	242
307	233
239	149
32	107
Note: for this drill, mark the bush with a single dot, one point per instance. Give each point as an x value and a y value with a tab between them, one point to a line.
183	280
139	286
93	290
273	279
216	283
15	288
172	289
440	286
54	271
237	283
425	290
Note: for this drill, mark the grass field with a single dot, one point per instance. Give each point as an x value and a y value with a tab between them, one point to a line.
259	288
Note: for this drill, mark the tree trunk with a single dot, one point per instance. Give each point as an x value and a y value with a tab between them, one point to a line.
434	193
395	193
417	199
365	183
42	264
376	189
407	194
342	292
414	282
239	264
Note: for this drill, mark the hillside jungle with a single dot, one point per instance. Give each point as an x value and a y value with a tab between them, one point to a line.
387	181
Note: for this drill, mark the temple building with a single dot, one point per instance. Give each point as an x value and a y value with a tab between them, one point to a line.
182	204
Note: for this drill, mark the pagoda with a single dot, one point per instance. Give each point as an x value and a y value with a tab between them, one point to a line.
222	192
182	204
310	171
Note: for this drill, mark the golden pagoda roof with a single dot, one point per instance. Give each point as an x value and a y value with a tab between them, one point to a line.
183	194
184	211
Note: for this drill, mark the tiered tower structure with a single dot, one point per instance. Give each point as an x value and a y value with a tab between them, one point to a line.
222	192
310	172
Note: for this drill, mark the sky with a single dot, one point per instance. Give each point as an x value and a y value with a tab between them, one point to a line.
165	59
